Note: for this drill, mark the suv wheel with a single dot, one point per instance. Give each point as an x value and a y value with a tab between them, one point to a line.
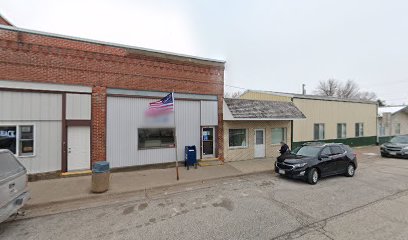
312	176
350	170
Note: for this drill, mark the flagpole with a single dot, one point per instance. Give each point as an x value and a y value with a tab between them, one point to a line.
175	134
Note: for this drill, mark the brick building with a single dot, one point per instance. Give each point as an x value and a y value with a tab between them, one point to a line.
67	102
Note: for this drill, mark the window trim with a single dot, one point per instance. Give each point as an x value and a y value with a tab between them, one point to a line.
17	154
362	124
345	126
285	135
324	131
246	139
399	129
155	148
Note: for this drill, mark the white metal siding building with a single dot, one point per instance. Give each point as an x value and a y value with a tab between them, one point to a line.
37	119
126	118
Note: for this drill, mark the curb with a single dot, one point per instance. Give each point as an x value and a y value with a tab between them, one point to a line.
119	194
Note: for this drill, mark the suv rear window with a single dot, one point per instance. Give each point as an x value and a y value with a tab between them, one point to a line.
9	165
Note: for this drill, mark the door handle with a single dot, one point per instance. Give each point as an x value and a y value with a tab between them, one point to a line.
69	150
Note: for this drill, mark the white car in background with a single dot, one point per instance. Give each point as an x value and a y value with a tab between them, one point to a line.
13	185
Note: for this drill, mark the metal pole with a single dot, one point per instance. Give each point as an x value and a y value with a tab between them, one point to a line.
175	135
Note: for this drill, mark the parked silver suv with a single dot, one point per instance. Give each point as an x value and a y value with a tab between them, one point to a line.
396	147
13	185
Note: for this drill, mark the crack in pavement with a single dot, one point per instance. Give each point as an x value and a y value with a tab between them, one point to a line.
321	224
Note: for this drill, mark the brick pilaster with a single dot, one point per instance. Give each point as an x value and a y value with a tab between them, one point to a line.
99	101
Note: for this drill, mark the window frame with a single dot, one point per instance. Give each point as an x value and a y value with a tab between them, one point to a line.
397	126
246	139
18	138
284	135
362	129
324	131
155	148
341	132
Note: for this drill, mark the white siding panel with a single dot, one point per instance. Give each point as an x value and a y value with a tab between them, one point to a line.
126	115
47	146
188	126
78	106
209	113
16	106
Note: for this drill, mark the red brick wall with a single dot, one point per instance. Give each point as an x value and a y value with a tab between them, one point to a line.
39	58
4	22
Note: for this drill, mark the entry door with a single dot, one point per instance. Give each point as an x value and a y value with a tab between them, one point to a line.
259	143
207	137
79	157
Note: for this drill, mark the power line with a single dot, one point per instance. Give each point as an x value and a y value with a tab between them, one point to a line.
236	87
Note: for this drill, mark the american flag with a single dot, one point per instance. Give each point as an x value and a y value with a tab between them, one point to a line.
163	106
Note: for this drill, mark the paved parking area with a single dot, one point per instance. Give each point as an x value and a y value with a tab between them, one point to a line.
371	205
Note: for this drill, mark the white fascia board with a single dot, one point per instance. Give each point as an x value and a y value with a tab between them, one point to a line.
24	85
227	115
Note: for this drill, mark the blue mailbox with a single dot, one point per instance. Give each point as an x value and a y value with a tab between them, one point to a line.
190	153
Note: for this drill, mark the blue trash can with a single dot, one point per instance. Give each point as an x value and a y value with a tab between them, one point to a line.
190	156
100	177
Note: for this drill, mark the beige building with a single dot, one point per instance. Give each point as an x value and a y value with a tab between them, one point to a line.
328	119
392	121
254	129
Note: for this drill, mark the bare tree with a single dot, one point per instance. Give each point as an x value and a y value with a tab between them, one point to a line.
371	96
235	94
348	90
328	88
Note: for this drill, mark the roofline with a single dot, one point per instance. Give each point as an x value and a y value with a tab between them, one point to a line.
7	21
228	116
314	97
404	107
263	119
182	57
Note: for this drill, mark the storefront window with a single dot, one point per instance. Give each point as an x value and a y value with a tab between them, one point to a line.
150	138
237	138
278	135
18	139
8	139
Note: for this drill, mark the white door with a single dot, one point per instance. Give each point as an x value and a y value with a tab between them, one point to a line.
259	143
79	146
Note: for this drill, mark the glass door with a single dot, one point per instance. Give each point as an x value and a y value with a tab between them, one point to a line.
207	137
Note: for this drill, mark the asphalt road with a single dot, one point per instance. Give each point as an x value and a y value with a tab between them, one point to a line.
371	205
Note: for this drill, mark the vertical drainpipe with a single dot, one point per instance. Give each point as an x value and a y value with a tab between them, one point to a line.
376	124
291	129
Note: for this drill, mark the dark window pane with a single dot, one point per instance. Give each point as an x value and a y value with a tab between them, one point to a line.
8	138
316	132
156	138
326	151
336	150
259	137
237	138
26	132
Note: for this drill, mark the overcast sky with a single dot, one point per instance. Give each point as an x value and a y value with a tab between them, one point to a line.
268	44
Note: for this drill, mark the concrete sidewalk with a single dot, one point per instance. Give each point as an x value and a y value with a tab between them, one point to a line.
76	188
